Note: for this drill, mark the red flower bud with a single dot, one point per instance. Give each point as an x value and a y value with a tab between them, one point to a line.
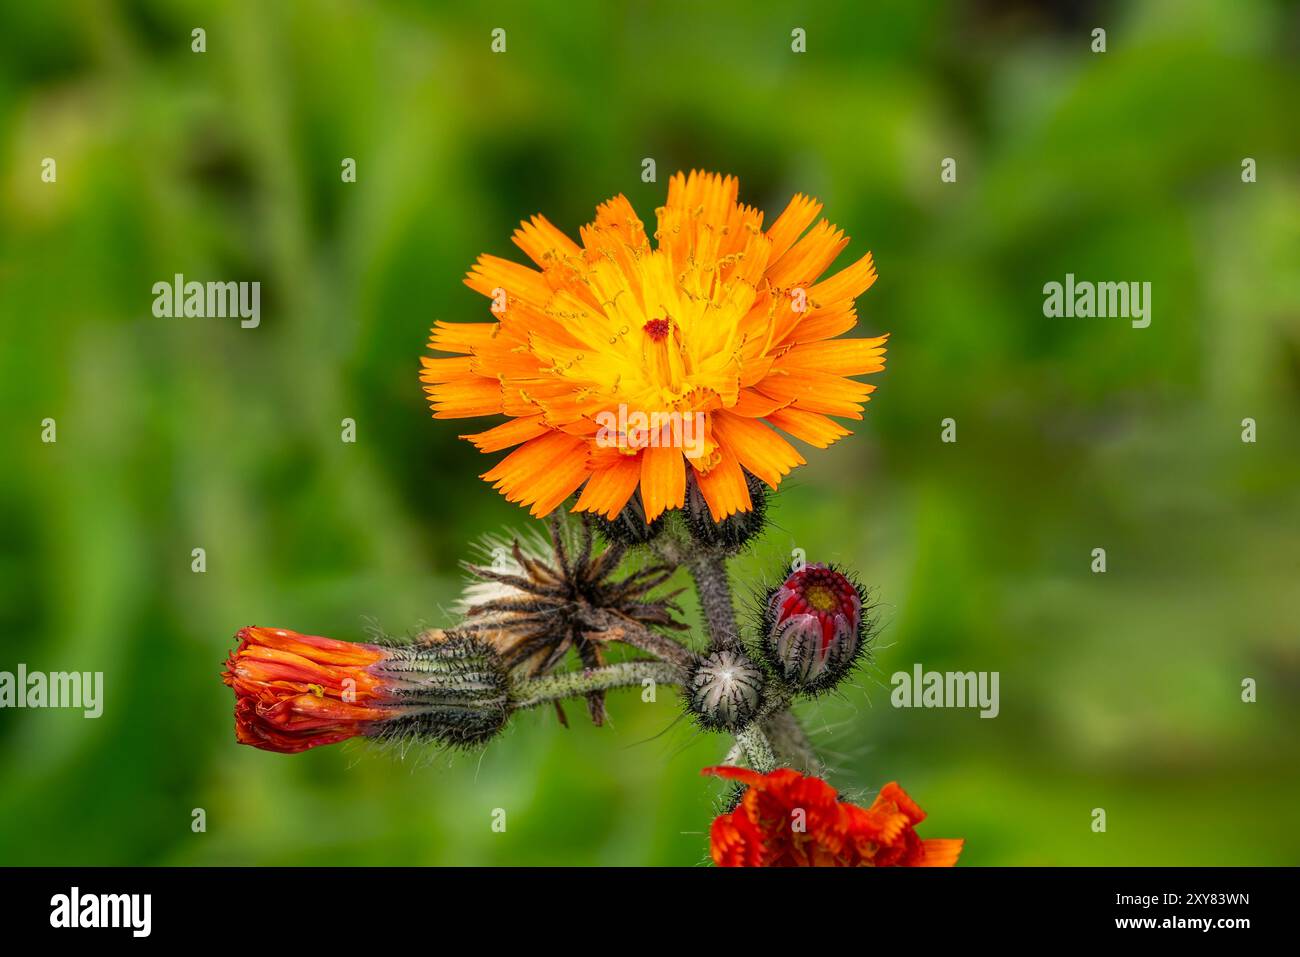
815	627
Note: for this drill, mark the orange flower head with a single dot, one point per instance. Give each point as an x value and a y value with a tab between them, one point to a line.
623	365
787	819
294	692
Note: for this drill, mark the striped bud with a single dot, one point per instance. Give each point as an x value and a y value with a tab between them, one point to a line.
724	690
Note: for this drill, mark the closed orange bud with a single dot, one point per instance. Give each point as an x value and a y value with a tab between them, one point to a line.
294	692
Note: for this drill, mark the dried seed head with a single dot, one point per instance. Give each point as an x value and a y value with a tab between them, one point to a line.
540	598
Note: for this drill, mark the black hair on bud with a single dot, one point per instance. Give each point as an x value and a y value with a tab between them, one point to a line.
815	626
453	691
629	527
736	530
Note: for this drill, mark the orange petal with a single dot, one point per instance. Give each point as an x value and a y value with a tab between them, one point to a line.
663	480
491	273
326	650
465	398
839	357
743	775
444	370
825	323
811	427
543	243
609	488
818	392
507	434
756	447
809	257
616	231
941	851
891	795
542	472
848	283
724	488
789	226
754	405
460	336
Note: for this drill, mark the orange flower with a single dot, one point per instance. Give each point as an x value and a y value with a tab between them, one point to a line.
787	819
294	692
607	355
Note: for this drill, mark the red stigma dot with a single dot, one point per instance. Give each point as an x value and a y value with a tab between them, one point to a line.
657	329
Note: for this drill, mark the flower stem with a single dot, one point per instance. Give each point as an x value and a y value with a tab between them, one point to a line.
791	744
710	573
757	749
571	684
608	626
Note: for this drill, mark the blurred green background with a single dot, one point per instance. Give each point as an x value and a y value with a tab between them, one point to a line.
1119	691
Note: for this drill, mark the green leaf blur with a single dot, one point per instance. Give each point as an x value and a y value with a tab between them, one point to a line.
1120	691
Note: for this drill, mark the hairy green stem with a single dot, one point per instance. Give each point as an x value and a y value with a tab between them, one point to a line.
775	739
791	744
709	570
758	750
572	684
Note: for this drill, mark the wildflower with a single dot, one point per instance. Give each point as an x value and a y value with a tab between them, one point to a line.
541	598
787	819
720	322
814	627
294	692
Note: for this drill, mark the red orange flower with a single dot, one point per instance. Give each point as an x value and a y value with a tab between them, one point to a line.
787	819
721	321
294	692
